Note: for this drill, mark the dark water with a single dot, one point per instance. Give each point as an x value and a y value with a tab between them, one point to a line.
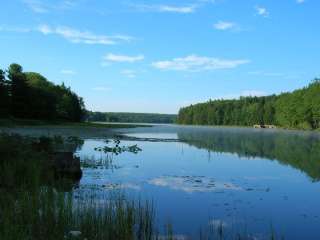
246	180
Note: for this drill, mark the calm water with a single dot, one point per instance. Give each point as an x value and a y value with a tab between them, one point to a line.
197	177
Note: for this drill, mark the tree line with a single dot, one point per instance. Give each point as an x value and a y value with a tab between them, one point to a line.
29	95
131	117
299	109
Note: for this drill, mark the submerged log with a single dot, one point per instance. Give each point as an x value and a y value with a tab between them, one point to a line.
66	165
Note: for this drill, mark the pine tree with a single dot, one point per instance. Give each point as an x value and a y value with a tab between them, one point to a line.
19	92
4	95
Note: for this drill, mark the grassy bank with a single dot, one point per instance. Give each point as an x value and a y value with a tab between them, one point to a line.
31	207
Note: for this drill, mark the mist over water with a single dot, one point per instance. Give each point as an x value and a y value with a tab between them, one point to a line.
198	177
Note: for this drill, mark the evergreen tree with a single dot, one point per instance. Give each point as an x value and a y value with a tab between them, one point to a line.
30	95
19	91
4	95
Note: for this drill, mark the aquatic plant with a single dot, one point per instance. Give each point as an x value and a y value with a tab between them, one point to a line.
117	149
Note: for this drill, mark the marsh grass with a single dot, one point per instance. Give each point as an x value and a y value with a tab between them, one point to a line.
32	208
48	214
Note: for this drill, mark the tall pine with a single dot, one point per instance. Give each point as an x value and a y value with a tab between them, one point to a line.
19	91
4	95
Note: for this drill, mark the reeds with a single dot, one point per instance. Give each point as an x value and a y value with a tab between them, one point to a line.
32	208
47	214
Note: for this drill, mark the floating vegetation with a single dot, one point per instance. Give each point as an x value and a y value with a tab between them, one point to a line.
117	149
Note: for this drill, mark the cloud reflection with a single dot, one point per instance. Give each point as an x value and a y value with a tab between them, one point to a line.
192	184
116	186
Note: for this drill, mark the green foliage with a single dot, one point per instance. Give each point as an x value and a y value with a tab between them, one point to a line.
245	111
299	109
4	95
20	97
131	117
29	95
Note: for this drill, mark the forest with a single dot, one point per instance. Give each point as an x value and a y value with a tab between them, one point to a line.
131	117
29	95
299	109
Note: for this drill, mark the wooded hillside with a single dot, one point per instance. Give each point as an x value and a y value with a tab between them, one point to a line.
131	117
299	109
29	95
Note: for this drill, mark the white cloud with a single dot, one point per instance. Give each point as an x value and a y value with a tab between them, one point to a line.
198	63
72	35
185	9
43	6
262	11
222	25
129	73
167	8
180	9
101	89
68	72
45	29
86	37
122	58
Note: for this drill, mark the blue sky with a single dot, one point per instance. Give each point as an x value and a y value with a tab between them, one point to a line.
156	56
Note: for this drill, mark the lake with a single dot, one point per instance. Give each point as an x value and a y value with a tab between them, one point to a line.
239	179
256	182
